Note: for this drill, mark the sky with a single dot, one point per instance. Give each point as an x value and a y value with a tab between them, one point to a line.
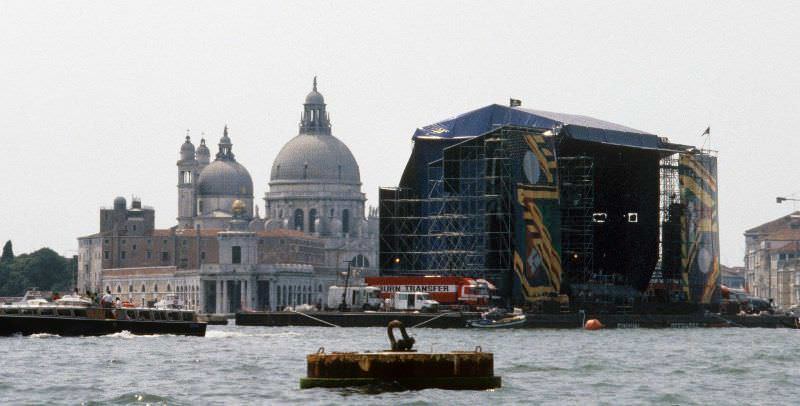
96	97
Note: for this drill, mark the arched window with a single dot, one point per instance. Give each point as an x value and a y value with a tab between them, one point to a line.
130	288
298	220
119	289
305	171
345	221
312	218
360	261
143	289
155	288
168	288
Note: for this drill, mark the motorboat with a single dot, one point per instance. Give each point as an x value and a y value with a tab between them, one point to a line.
73	315
499	318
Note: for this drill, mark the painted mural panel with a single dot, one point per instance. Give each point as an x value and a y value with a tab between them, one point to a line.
537	252
700	228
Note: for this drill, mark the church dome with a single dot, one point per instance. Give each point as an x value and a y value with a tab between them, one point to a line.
315	156
225	176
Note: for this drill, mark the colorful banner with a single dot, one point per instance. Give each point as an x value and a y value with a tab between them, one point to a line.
700	228
537	252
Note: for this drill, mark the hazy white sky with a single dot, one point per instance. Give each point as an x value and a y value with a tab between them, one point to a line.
95	97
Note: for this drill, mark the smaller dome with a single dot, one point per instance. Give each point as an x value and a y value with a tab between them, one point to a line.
315	97
120	203
238	207
202	149
187	150
225	178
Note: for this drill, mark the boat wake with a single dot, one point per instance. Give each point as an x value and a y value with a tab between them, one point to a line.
238	334
44	335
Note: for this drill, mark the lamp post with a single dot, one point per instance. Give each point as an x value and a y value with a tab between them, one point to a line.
343	306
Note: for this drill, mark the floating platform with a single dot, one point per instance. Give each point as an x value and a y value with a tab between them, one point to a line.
409	370
534	320
402	367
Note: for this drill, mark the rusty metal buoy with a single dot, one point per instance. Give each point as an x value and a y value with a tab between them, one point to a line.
401	366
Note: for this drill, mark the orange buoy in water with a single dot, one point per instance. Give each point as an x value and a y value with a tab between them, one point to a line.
593	324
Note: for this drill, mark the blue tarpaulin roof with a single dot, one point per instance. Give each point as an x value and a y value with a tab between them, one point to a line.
485	119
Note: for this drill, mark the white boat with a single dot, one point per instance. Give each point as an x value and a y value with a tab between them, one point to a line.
33	298
73	301
171	301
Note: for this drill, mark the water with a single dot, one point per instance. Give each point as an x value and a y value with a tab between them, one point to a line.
263	365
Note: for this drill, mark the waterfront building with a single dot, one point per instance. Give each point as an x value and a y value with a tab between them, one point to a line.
772	251
222	256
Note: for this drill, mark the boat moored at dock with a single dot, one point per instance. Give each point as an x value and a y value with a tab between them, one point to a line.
95	321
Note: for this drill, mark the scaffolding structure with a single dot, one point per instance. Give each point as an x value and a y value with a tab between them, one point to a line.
462	226
576	184
667	275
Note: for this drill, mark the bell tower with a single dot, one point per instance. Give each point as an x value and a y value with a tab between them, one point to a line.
187	179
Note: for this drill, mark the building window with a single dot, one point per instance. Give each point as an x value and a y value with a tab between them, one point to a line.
165	256
199	207
203	255
312	218
119	289
134	227
305	171
134	247
122	254
149	254
236	254
106	254
143	290
360	261
169	288
298	220
345	221
123	242
130	288
155	288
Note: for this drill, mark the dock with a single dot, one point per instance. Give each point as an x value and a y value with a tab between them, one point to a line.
534	320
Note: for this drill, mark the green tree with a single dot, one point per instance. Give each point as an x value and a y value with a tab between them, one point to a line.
44	269
8	252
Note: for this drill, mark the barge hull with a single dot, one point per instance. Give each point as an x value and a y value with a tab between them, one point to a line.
62	326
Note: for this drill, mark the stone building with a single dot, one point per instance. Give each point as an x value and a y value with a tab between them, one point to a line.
772	251
315	188
222	256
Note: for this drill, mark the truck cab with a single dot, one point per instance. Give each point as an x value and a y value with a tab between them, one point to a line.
408	301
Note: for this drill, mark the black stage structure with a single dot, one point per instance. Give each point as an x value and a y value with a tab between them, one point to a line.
555	208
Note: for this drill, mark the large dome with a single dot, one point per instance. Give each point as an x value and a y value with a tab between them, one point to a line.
225	178
315	158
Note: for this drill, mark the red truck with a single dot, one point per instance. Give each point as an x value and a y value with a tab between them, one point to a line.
447	290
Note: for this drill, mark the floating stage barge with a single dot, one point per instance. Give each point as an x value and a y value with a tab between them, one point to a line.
534	320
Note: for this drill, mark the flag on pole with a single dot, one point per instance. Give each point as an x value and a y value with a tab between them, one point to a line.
707	131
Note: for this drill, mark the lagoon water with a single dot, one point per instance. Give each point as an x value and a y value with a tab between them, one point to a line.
263	365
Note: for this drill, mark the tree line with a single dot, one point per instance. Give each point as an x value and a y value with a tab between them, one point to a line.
44	268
